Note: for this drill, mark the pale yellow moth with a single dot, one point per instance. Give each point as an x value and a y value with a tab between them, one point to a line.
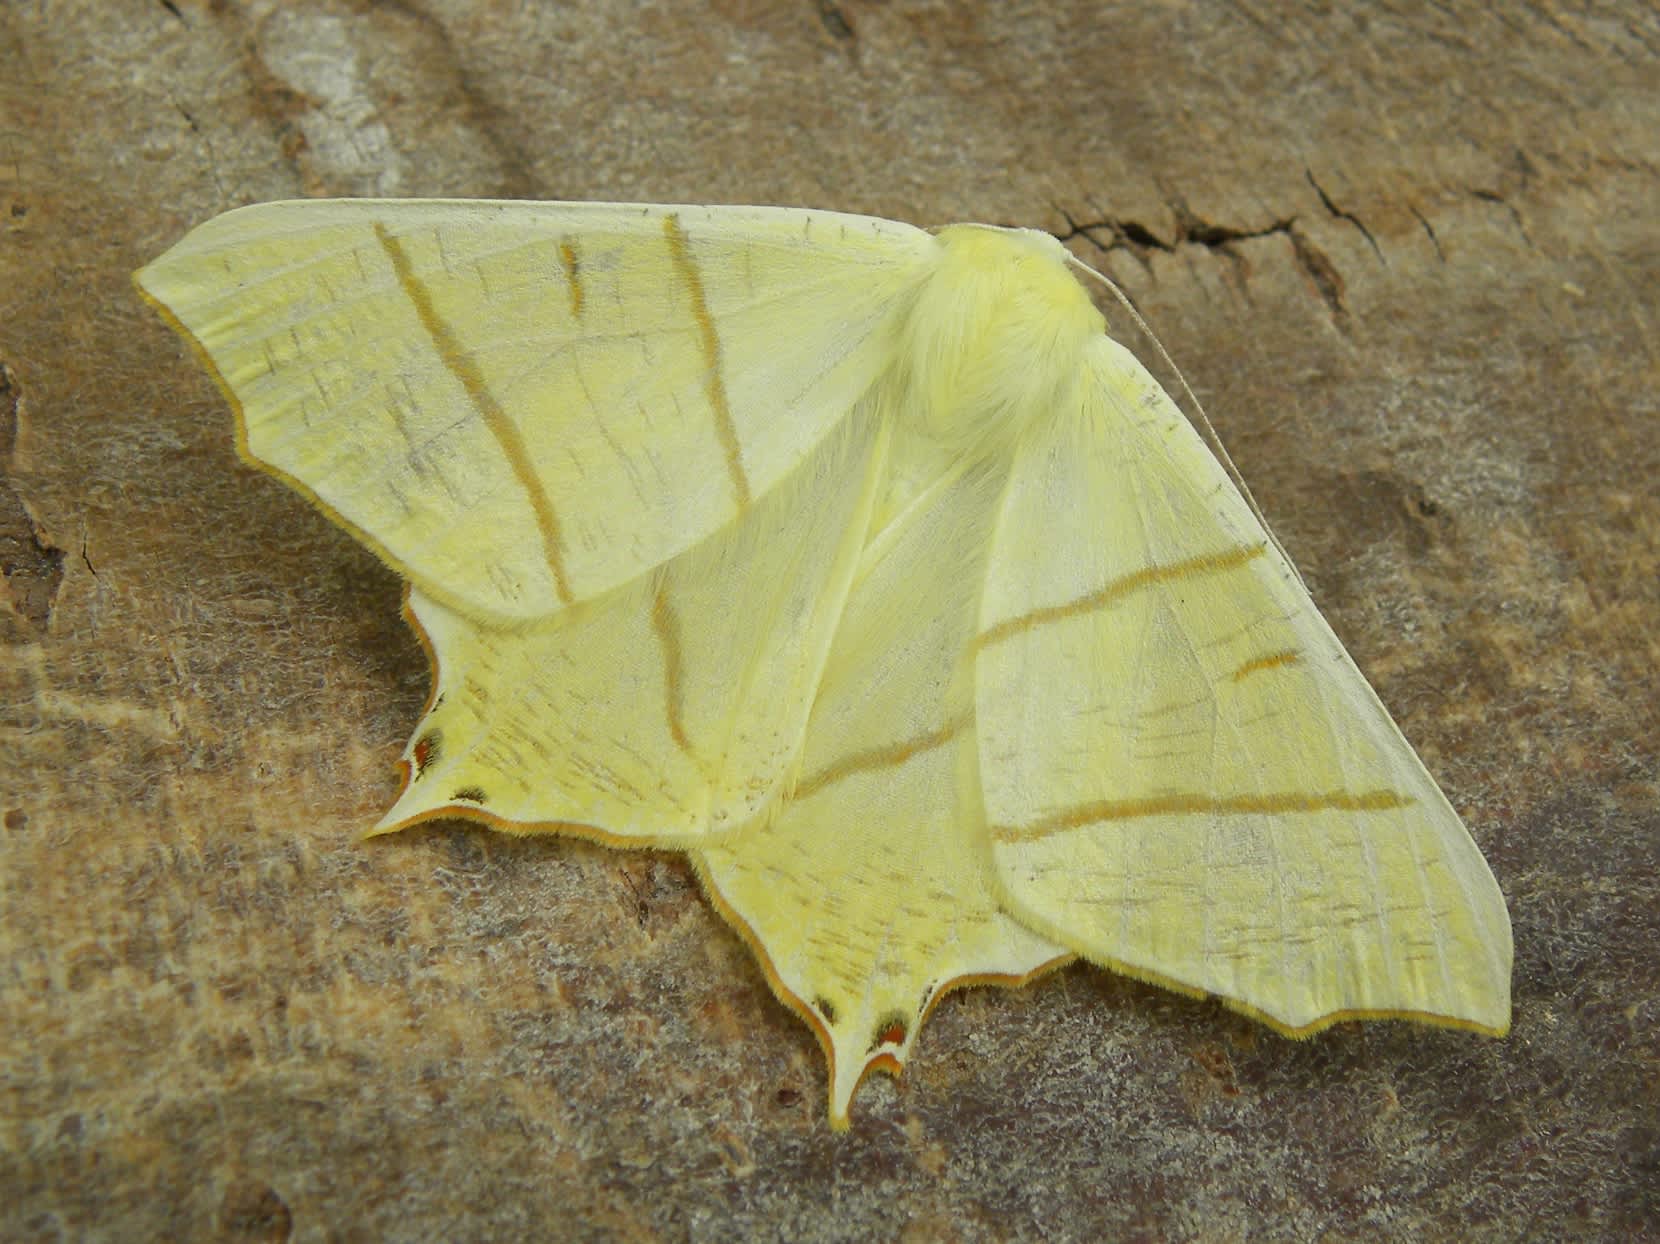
859	563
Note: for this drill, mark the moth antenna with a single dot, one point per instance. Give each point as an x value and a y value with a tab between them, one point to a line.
1208	430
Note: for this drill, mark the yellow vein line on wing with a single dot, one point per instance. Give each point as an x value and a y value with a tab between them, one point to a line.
886	757
1271	660
464	368
667	627
713	384
1200	805
1213	563
573	275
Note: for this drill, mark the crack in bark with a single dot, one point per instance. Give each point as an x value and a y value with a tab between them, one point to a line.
1328	282
1343	214
31	567
1493	196
1125	234
1429	231
835	21
1138	239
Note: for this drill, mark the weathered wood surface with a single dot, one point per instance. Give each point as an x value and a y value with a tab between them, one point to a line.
1407	253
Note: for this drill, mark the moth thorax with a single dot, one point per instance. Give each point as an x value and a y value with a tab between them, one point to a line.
996	337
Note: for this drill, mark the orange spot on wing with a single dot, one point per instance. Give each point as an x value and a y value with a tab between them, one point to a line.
426	749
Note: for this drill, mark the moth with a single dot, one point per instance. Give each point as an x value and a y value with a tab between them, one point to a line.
859	563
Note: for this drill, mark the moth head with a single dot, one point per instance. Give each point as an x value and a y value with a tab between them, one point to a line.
996	336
